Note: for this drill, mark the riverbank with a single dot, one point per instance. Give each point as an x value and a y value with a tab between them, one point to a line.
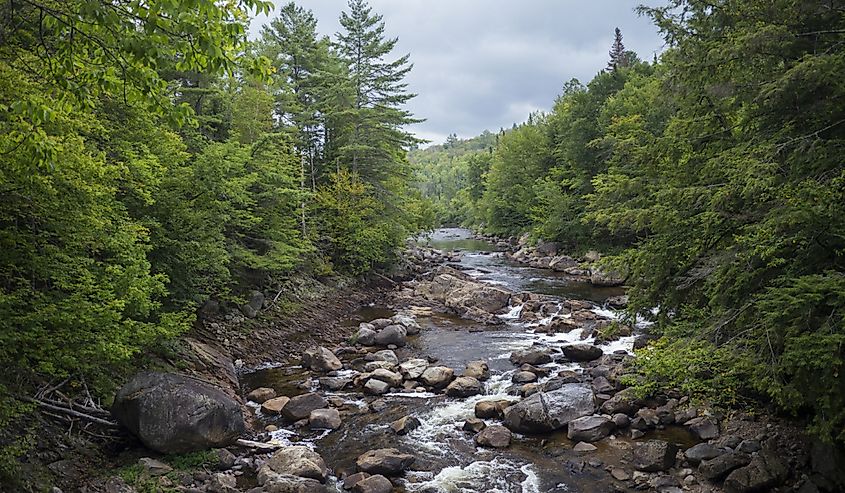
479	373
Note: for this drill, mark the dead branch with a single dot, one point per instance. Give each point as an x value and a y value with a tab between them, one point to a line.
71	412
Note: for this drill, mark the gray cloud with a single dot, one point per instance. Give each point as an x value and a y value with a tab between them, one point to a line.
486	64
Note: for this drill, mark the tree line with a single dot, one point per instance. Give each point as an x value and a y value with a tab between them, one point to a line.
153	159
714	179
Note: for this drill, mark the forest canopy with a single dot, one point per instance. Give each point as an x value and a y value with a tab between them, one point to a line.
714	177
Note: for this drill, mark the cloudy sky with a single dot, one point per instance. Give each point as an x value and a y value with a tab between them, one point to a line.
486	64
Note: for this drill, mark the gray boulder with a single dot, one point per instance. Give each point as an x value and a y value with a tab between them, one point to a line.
172	413
654	455
548	411
324	419
701	452
392	334
478	370
495	436
763	473
413	368
625	402
321	359
392	378
437	376
463	387
376	387
582	352
373	484
534	356
718	467
386	355
366	335
300	407
589	428
296	461
386	461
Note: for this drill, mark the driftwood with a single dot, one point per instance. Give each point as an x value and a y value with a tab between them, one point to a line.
71	412
258	445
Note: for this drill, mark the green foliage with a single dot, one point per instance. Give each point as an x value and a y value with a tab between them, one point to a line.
695	367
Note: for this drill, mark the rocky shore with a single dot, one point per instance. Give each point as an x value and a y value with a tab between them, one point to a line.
564	398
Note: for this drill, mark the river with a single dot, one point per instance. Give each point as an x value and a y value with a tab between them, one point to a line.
447	459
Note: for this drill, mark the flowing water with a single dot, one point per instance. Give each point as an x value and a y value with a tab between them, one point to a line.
447	459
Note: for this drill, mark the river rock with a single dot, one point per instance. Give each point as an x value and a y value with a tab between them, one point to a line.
321	359
523	377
411	325
261	394
589	428
625	402
548	411
474	425
654	455
413	368
366	335
582	352
376	387
584	447
491	409
297	460
463	387
334	383
386	355
702	451
763	473
602	386
478	370
621	420
495	436
381	323
274	405
386	461
387	376
171	413
300	407
705	427
324	419
222	483
375	365
534	356
437	376
373	484
392	334
403	426
718	467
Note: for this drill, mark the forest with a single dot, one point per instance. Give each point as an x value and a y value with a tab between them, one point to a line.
714	177
154	159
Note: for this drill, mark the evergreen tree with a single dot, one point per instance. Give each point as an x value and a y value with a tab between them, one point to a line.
372	136
618	55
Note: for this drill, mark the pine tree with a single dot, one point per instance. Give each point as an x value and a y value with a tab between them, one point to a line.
373	135
618	56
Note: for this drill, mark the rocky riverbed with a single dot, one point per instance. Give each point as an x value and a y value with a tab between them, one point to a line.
489	371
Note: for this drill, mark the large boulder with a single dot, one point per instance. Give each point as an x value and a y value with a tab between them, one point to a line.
437	376
385	355
411	325
300	407
296	461
478	370
413	368
376	387
172	413
582	352
321	359
625	402
763	473
392	378
491	409
548	411
373	484
654	455
495	436
701	452
463	295
463	387
533	356
719	467
366	335
589	428
386	461
392	334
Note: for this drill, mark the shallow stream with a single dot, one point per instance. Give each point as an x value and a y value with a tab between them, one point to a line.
447	459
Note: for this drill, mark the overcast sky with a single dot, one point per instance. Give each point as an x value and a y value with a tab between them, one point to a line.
486	64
